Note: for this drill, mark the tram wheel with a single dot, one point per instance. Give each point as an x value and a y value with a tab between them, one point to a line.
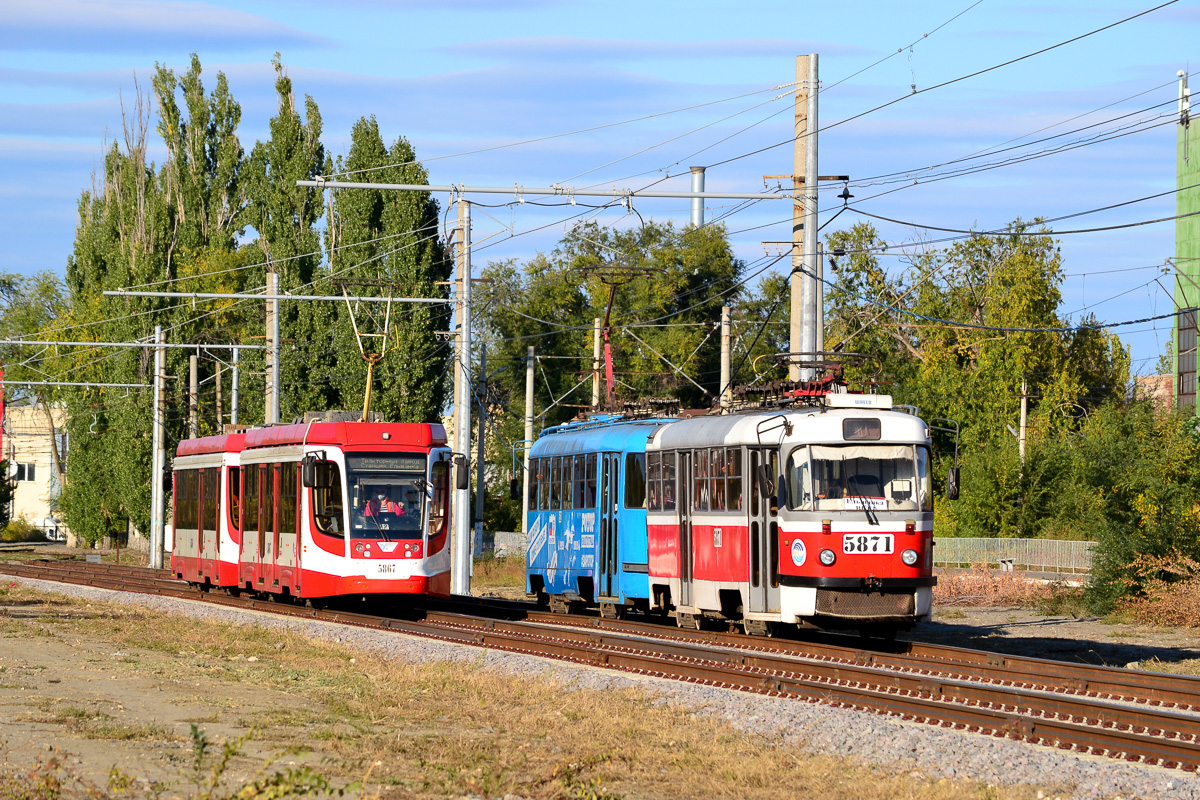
689	621
758	627
612	611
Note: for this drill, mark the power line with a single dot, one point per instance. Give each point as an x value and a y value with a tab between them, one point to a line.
952	81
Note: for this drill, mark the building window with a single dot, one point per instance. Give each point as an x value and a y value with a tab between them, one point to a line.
1185	371
23	473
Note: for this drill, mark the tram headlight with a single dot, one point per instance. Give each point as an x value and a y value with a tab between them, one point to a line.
827	557
909	557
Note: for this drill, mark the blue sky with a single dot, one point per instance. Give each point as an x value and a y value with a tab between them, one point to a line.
460	75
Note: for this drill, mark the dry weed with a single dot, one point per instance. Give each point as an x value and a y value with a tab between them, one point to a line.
1170	591
981	586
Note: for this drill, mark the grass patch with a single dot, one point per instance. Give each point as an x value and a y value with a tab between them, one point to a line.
499	573
453	728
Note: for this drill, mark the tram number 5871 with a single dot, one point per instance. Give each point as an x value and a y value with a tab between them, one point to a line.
867	543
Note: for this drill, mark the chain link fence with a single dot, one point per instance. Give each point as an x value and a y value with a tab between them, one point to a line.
1034	555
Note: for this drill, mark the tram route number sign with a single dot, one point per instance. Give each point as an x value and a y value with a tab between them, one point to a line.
386	463
866	543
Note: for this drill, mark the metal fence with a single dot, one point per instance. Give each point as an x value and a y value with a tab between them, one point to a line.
1035	555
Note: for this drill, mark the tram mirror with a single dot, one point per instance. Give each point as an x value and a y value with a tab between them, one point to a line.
514	489
168	480
952	484
317	474
462	475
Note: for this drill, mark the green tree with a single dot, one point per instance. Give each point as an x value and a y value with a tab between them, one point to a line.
284	217
378	242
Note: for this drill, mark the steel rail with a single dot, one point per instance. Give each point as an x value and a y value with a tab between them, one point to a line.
1109	683
1134	734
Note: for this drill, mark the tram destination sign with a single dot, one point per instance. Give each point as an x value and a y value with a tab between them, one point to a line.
386	463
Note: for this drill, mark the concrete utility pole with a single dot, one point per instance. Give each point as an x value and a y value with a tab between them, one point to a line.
272	409
819	310
799	161
596	365
233	390
460	571
808	323
157	458
726	374
193	397
530	360
480	476
697	202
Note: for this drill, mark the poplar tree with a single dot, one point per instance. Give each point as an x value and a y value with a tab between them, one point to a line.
284	216
381	242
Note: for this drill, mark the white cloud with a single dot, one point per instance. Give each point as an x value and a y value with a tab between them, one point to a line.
138	25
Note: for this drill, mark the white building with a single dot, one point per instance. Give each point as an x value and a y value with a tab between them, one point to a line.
28	448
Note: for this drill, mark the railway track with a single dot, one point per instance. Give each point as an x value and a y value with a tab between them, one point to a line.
1124	714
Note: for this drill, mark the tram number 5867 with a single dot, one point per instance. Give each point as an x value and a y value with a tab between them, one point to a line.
854	544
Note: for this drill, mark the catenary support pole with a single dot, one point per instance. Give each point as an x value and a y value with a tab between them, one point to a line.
697	202
726	379
799	160
808	323
480	475
156	458
530	359
233	390
219	398
460	573
272	410
193	397
596	364
819	311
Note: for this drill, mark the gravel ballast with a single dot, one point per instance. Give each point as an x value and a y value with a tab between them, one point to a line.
875	739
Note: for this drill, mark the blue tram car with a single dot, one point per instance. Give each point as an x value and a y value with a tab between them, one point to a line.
587	515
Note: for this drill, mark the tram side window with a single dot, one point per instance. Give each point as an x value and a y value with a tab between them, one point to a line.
187	493
635	480
327	503
287	498
543	481
589	487
733	480
211	476
700	480
568	483
250	492
556	483
234	479
441	497
716	480
668	481
654	481
580	481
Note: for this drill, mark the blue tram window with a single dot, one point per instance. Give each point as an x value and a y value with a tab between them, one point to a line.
654	481
580	474
635	480
589	490
556	483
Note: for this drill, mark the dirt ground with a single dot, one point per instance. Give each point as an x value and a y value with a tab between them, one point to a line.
99	695
1092	640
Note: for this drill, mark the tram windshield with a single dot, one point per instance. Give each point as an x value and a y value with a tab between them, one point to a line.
387	494
879	477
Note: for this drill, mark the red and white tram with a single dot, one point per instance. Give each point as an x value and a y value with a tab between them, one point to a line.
813	515
315	510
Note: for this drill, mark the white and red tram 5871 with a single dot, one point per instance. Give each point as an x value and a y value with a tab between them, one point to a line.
315	510
813	515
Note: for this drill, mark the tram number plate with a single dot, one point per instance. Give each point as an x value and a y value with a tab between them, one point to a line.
385	569
855	543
